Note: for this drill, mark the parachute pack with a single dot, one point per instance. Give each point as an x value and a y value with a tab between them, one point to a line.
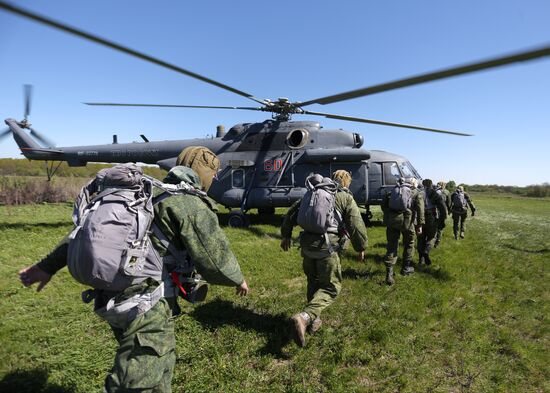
401	197
459	201
110	248
317	213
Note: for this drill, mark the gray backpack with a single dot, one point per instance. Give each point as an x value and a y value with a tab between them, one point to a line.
401	197
110	247
459	201
317	213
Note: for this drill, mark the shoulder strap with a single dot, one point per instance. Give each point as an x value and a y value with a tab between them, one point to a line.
179	255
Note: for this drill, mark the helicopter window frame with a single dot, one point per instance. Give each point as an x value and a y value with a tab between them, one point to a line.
304	134
390	179
406	169
242	178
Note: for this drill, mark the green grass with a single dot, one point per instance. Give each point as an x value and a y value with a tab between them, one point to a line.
476	321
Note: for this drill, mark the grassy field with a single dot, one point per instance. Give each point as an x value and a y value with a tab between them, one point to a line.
476	321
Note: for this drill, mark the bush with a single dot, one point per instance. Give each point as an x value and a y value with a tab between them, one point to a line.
20	190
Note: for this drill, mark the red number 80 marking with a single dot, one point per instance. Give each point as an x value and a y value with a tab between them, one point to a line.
273	165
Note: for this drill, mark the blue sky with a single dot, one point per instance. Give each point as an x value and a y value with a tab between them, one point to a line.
300	50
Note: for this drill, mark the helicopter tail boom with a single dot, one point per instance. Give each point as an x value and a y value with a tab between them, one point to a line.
28	146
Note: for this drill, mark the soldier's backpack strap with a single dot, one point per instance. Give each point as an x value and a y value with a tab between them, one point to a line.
179	255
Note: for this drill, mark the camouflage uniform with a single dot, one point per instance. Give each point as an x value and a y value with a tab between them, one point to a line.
435	212
446	196
460	213
402	223
145	358
321	262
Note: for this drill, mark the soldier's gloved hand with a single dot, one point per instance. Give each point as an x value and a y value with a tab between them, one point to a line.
361	256
33	274
242	290
286	243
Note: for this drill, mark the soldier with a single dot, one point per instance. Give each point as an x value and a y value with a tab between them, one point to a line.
403	209
145	358
460	200
321	262
446	195
435	212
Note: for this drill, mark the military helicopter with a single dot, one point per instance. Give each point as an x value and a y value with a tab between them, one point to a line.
263	165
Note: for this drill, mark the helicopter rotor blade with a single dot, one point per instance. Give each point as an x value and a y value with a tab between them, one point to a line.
27	91
171	106
4	134
41	138
120	48
432	76
384	123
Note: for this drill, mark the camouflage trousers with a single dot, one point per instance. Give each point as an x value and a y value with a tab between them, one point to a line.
458	222
393	234
426	240
324	281
145	357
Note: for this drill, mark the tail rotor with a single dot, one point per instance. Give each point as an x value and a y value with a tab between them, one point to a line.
27	97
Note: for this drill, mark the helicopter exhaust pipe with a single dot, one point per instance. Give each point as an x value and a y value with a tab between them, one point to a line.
220	131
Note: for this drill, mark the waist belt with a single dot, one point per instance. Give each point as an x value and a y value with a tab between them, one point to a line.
120	314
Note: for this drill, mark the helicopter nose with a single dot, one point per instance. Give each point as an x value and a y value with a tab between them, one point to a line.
358	140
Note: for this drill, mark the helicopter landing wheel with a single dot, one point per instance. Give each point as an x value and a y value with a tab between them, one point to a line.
237	219
266	211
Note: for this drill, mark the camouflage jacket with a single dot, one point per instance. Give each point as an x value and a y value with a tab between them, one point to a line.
409	218
347	207
189	222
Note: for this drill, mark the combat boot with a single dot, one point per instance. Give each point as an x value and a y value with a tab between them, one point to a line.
407	268
389	275
314	326
462	234
300	322
456	235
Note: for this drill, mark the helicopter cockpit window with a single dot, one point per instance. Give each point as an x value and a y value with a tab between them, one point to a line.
237	178
391	173
406	169
297	138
